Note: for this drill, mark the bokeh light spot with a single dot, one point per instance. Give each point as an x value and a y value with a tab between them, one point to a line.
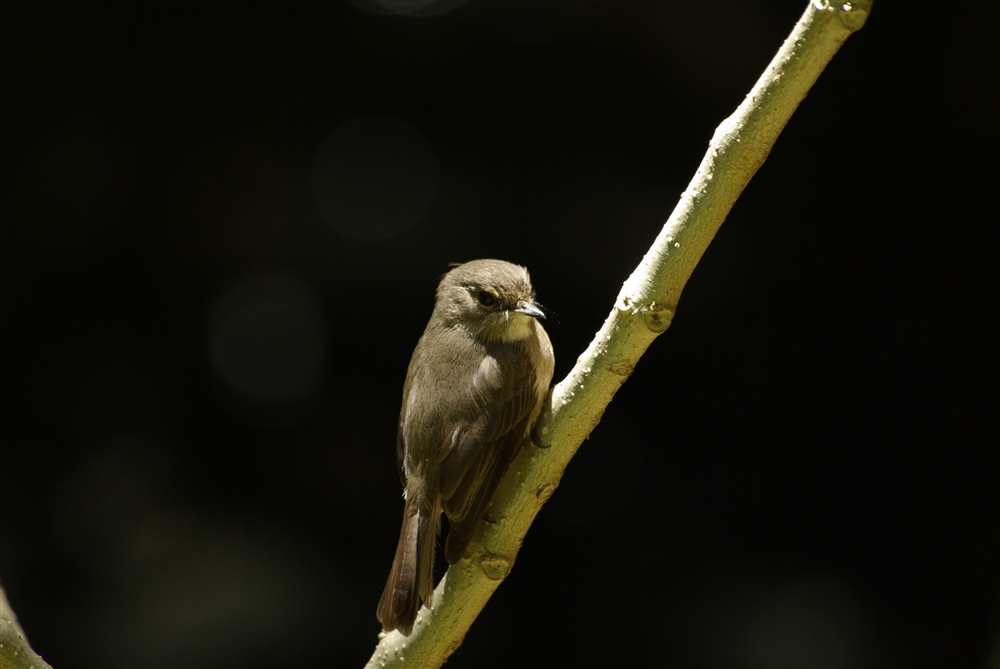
374	176
267	345
419	8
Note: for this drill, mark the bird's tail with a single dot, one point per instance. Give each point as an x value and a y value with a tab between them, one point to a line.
412	576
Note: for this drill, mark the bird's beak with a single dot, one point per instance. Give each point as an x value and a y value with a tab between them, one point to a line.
530	309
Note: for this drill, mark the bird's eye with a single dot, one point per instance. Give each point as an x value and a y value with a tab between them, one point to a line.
486	298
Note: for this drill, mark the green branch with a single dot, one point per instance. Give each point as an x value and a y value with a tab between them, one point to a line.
15	653
643	310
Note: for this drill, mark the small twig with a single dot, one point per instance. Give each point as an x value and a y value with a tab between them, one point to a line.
15	652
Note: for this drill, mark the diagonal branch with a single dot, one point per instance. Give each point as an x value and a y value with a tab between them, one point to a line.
15	652
643	310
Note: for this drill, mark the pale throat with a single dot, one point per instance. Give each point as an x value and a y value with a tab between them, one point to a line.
507	326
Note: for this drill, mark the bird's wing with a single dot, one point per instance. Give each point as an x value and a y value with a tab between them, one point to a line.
477	453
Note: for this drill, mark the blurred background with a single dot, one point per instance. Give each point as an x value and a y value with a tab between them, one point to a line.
222	227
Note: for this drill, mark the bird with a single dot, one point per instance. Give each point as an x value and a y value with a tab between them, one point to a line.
475	385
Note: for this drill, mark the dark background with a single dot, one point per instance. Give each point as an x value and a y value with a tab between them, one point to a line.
222	225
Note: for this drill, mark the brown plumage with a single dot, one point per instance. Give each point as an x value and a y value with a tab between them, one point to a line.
474	387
